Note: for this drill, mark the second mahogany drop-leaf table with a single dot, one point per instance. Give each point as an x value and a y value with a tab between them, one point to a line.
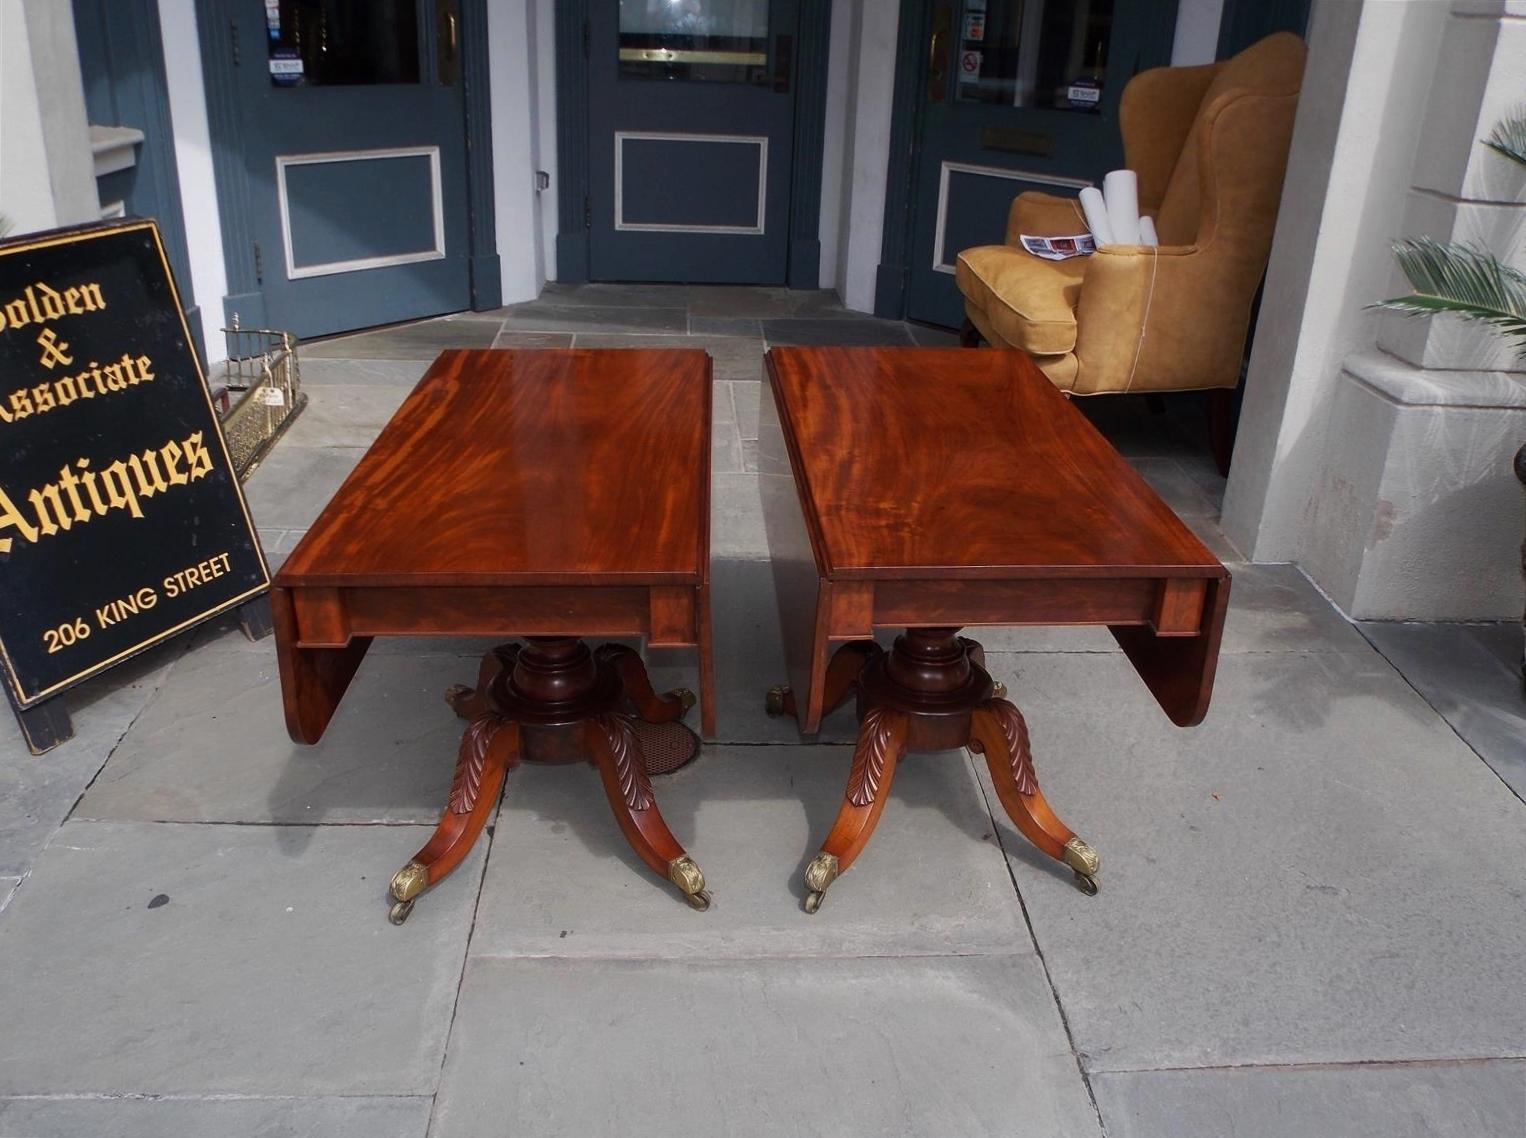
931	489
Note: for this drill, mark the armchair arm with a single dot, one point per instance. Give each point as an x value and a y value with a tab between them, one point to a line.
1159	319
1044	215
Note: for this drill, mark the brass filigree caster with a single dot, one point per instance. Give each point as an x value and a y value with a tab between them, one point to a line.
407	884
818	875
1086	862
683	873
773	703
999	690
456	693
685	697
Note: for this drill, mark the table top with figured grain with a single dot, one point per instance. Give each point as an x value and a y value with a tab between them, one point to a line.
562	467
957	462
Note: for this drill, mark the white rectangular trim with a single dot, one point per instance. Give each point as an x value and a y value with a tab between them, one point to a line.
940	265
761	141
329	268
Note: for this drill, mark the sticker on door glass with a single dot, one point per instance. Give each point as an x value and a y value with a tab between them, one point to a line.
975	26
969	64
285	67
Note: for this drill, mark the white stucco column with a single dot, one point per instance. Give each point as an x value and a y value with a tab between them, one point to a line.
1375	452
47	177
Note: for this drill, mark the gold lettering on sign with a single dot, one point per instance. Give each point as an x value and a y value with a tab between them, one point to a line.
39	303
60	505
97	379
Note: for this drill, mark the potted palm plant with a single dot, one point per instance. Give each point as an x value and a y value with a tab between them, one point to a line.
1472	283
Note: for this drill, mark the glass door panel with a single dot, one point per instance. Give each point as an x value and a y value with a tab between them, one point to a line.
333	43
716	40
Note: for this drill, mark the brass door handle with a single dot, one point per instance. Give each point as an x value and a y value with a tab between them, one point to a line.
937	61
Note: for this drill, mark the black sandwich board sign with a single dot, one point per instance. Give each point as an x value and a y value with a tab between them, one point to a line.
121	518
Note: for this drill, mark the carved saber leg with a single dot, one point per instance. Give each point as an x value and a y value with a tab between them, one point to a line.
998	729
489	749
841	678
617	753
881	738
649	705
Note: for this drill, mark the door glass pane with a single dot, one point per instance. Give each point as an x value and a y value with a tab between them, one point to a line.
328	43
1033	53
718	40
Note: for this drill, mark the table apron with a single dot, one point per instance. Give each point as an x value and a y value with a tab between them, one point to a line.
668	616
1169	607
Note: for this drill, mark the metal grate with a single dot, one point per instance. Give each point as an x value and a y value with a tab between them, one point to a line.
264	383
666	746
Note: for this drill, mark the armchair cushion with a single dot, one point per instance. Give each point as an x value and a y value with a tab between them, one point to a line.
1027	301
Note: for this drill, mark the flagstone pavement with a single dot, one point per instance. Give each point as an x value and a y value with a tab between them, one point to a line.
1312	920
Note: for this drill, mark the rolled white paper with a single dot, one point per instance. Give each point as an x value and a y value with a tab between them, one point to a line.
1147	235
1120	189
1095	209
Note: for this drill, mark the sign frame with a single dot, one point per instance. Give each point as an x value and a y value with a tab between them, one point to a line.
29	704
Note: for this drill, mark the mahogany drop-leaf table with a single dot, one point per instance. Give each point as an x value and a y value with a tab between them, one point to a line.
549	495
933	489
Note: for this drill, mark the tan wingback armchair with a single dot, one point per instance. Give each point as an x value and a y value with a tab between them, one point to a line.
1209	145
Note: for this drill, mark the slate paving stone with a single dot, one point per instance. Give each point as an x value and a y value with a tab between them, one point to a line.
733	357
290	493
726	456
212	745
1421	1100
1320	873
318	370
736	518
546	315
38	791
932	881
345	415
270	968
1471	675
8	887
421	340
932	1045
927	336
612	295
749	326
1275	608
215	1118
1180	491
732	301
861	332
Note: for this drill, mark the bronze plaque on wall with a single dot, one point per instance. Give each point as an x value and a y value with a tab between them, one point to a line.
121	518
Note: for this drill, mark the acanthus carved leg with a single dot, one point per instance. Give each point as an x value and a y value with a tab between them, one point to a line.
489	749
881	739
616	751
998	730
649	705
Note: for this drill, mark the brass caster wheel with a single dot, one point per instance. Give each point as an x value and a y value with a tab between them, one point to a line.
456	693
700	900
1087	884
685	697
820	874
999	690
399	912
774	702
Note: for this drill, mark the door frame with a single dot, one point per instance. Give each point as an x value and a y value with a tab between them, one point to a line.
911	61
573	205
219	51
133	79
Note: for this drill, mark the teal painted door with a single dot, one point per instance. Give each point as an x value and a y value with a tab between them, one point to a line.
1018	95
691	133
354	135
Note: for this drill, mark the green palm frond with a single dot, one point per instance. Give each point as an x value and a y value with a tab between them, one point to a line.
1463	280
1509	138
